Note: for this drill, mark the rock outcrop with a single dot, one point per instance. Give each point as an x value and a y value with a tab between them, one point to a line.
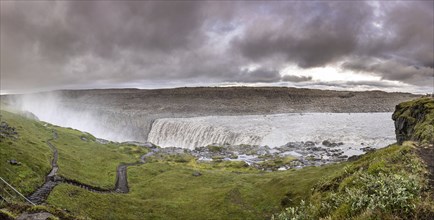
414	121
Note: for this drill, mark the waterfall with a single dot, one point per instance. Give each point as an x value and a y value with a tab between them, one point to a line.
179	133
354	130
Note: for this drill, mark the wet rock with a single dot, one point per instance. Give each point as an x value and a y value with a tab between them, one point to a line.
354	157
342	156
7	131
309	144
327	143
367	149
314	148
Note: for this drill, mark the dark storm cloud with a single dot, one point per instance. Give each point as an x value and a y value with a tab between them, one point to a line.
398	34
69	44
309	35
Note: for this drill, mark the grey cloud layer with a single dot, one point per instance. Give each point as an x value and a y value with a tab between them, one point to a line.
103	43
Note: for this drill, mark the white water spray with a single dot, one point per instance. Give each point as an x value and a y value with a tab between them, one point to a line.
354	129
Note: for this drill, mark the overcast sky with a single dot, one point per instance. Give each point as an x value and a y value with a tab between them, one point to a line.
101	44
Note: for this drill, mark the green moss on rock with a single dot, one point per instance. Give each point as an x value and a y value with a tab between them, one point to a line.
414	120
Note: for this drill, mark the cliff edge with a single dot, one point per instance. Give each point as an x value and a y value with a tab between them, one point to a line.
414	121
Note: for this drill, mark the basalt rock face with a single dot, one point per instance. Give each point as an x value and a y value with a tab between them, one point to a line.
414	121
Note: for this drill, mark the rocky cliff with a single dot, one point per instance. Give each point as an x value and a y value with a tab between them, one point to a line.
414	120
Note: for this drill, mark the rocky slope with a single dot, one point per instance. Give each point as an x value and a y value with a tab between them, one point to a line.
128	114
414	121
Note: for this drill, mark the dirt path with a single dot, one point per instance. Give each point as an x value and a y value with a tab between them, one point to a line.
121	185
427	155
52	179
42	192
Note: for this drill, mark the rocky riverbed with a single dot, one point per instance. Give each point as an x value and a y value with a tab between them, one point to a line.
291	155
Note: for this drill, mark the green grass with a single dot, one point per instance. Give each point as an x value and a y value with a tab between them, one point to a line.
166	190
390	183
90	162
30	149
84	161
162	188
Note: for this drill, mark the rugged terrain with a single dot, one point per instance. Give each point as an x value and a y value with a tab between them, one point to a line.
127	114
388	183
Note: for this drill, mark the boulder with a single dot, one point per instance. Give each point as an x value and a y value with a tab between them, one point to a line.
14	162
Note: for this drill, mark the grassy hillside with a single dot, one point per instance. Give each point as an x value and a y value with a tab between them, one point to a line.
162	188
29	148
169	191
391	183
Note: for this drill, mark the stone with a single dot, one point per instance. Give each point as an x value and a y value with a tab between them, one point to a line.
197	173
367	149
354	157
309	144
14	162
326	143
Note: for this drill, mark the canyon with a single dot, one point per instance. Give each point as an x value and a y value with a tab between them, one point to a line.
129	114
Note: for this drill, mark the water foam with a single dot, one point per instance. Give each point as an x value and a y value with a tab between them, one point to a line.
353	129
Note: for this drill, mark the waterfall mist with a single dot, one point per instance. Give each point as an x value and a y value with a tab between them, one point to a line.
55	109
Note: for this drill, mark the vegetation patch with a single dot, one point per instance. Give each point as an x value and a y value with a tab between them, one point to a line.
390	183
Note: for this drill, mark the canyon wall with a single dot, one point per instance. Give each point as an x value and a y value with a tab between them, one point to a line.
128	114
